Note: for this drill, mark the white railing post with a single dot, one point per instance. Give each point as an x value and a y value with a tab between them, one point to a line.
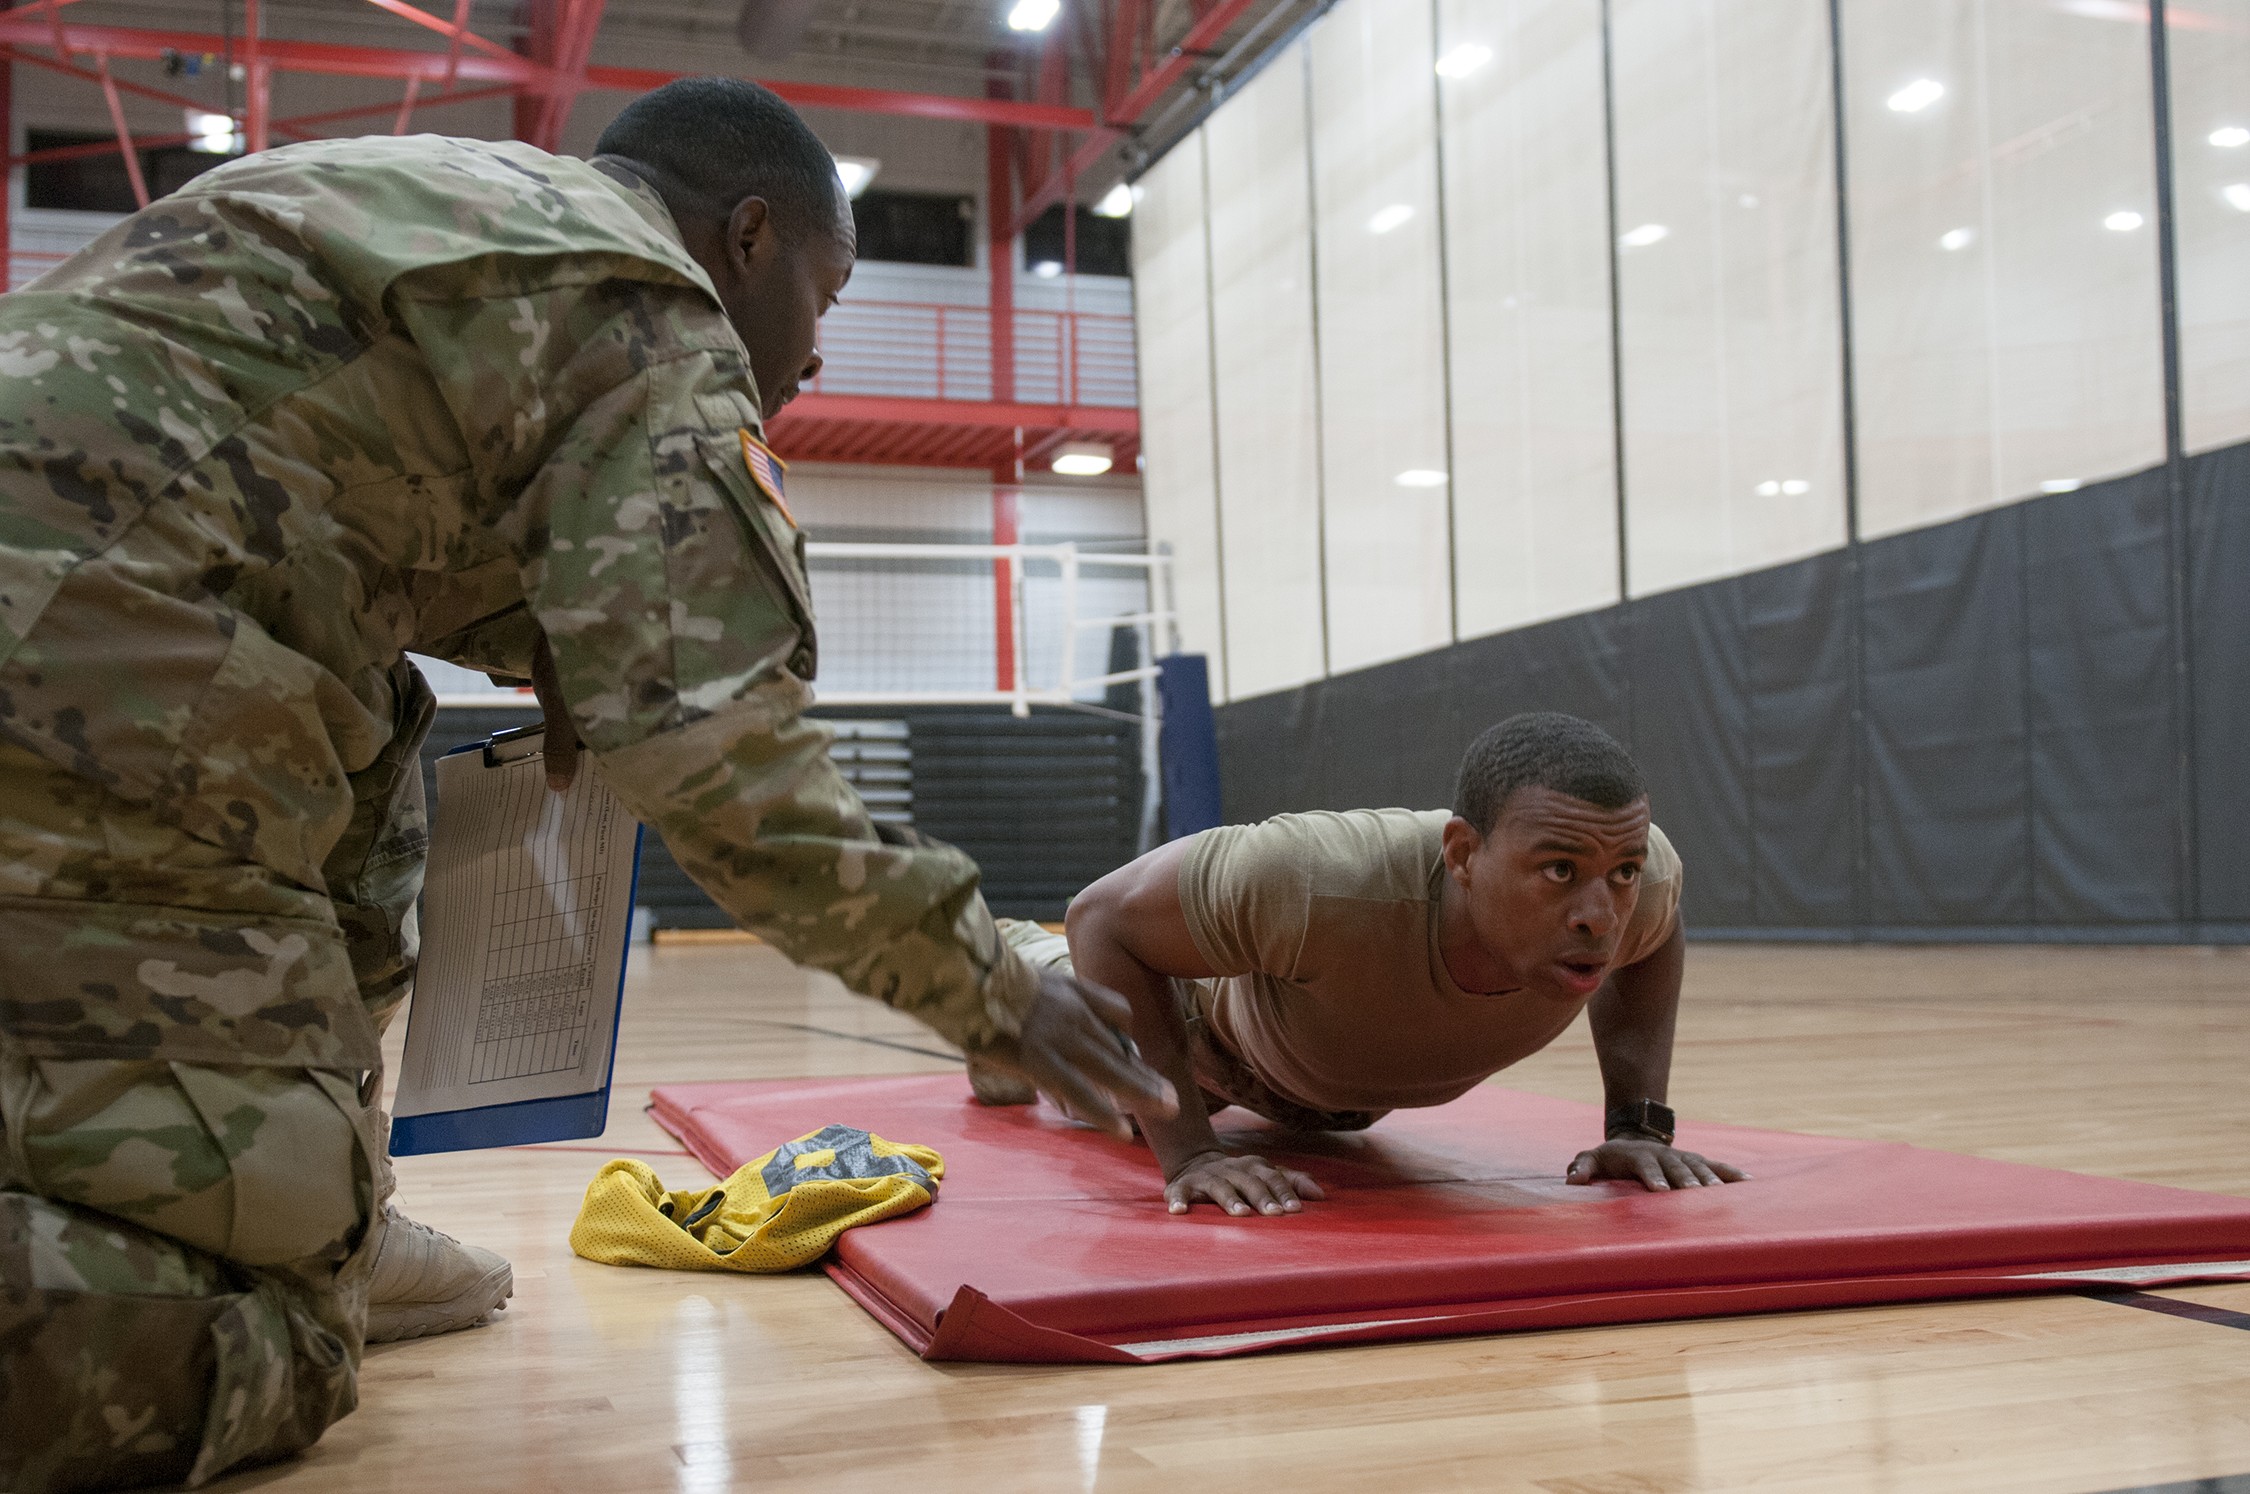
1069	621
1020	691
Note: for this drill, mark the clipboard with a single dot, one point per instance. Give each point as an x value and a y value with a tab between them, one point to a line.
527	919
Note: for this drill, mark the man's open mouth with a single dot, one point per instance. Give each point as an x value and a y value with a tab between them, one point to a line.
1582	972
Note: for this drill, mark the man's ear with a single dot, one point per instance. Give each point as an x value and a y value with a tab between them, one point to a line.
1462	841
751	236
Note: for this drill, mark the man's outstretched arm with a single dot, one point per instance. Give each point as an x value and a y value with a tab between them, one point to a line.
1128	932
1633	1017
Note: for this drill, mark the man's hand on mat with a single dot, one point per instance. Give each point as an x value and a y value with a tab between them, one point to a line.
1652	1164
1241	1185
1073	1046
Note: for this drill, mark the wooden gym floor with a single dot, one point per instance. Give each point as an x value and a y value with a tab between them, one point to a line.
2128	1062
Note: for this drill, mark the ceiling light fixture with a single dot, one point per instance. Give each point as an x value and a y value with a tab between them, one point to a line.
2237	196
2123	222
1462	59
856	172
1420	477
1117	202
1082	459
2060	485
1643	236
1389	218
1047	269
1916	96
1954	239
1033	15
211	134
2230	137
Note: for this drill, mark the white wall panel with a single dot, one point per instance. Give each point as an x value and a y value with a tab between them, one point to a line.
1262	330
1381	331
1526	218
2211	170
1727	281
2004	272
1172	293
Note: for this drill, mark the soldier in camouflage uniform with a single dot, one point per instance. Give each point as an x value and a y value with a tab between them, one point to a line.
324	405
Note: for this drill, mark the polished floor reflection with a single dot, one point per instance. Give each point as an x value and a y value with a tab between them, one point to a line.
2124	1062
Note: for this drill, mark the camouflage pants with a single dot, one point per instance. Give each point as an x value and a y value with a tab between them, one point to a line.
1219	1072
184	1244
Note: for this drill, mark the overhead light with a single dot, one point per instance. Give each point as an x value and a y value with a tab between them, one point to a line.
1389	218
1956	238
857	172
212	134
1047	269
2237	196
2230	137
1117	202
1643	236
1769	489
1795	487
2060	485
1033	15
1462	59
2123	222
1420	477
1082	459
1916	96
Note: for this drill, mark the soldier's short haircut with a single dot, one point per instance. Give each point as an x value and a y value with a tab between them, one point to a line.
714	141
1549	750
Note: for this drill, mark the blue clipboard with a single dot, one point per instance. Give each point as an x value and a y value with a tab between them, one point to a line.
479	1030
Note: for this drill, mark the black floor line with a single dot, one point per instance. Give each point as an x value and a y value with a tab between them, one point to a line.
2200	1312
856	1037
2232	1483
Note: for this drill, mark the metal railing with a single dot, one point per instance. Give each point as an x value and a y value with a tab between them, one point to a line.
978	570
925	350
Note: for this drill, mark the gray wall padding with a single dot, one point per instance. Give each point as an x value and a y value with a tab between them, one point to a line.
2015	772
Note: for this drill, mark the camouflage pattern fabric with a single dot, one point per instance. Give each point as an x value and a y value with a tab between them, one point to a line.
326	404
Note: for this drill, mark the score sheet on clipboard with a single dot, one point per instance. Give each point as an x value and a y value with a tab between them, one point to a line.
527	913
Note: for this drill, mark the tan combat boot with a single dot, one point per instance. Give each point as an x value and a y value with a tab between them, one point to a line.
427	1282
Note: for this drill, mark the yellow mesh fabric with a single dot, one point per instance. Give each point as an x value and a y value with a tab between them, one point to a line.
774	1214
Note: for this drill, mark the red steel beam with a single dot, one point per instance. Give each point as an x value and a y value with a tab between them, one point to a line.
1075	165
124	137
1117	420
87	74
1022	114
296	122
1200	38
338	60
456	32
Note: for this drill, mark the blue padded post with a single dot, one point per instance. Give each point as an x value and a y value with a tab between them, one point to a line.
1188	746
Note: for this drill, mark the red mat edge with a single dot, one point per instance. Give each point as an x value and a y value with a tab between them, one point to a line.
978	1329
975	1328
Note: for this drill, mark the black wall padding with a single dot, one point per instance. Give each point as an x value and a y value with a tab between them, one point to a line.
2219	643
2014	771
1045	805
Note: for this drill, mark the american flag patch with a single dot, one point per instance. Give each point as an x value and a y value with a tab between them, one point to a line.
766	470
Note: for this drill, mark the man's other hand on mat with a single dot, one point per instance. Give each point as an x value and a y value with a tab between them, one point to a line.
1073	1047
1655	1166
1242	1185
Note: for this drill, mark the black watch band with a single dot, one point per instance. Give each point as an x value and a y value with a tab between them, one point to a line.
1646	1118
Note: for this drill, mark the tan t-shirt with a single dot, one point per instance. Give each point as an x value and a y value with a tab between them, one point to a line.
1324	927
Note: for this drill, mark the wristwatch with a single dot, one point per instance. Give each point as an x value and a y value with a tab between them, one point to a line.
1644	1118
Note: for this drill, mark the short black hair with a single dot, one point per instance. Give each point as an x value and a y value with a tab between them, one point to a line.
711	142
1549	750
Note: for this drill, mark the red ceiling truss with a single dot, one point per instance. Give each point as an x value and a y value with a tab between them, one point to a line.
1042	145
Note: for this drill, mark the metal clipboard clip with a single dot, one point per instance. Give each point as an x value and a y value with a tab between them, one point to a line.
515	745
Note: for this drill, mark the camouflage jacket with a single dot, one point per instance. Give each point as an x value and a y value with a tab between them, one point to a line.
344	399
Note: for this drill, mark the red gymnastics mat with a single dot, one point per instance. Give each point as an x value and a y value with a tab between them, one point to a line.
1051	1243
